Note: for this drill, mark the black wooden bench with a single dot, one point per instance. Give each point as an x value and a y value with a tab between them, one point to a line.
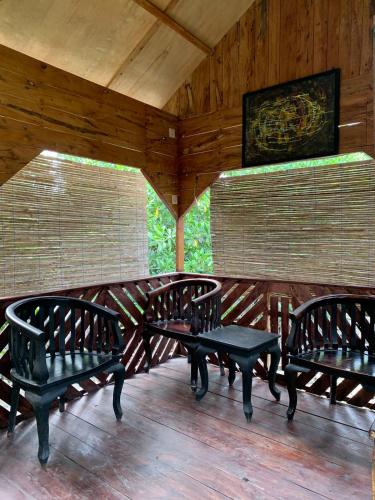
55	342
334	335
182	310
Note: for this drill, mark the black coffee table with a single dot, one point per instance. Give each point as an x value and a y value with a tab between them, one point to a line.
243	346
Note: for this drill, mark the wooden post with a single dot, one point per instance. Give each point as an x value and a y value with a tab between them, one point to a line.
180	244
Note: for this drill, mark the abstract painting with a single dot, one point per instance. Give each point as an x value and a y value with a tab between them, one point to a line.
292	121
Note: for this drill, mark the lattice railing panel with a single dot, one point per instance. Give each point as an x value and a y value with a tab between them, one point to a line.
261	304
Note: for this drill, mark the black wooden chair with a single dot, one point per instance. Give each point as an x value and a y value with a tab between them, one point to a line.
55	342
182	310
334	335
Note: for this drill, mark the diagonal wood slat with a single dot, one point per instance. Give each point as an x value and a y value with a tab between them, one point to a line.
262	304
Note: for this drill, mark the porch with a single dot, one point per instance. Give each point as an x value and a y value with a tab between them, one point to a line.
151	92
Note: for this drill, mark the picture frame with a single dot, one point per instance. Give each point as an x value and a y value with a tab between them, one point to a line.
292	121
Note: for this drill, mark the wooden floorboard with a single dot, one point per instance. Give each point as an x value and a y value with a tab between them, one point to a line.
169	446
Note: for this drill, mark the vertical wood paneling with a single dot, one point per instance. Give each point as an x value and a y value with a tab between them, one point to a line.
261	45
275	41
320	38
356	36
344	60
305	38
274	14
216	78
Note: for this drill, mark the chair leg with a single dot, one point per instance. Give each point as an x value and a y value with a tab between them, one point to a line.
193	371
333	389
221	364
41	406
119	376
275	358
148	351
203	372
291	379
62	404
13	407
232	372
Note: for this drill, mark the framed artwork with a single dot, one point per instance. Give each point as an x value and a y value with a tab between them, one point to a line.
292	121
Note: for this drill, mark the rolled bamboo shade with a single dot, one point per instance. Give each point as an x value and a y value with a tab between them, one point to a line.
312	224
64	224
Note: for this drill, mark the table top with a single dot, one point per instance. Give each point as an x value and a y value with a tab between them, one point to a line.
239	337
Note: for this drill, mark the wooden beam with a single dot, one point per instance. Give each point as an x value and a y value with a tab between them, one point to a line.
140	46
174	25
180	244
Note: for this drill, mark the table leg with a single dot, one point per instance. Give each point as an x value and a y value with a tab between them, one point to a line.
221	364
232	372
246	364
201	353
275	358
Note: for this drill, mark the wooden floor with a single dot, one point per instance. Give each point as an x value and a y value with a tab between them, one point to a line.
170	446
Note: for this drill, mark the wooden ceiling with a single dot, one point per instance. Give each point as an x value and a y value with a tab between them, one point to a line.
127	45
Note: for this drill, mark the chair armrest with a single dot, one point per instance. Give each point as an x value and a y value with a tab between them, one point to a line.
206	311
38	366
207	296
31	331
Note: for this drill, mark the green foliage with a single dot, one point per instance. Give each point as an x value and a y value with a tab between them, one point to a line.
162	236
198	250
161	228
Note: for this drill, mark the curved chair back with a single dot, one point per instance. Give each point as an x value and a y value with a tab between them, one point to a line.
333	321
195	300
42	326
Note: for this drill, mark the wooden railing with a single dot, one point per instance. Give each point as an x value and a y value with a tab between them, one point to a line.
262	304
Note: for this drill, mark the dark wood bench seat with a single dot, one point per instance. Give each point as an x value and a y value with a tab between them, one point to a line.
68	368
347	364
333	334
178	329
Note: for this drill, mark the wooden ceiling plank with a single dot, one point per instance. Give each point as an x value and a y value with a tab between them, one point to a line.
171	23
140	46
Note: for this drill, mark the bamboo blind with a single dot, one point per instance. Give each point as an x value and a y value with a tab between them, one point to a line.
313	224
64	224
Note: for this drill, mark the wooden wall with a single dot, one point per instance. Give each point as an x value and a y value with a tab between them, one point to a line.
42	107
273	42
